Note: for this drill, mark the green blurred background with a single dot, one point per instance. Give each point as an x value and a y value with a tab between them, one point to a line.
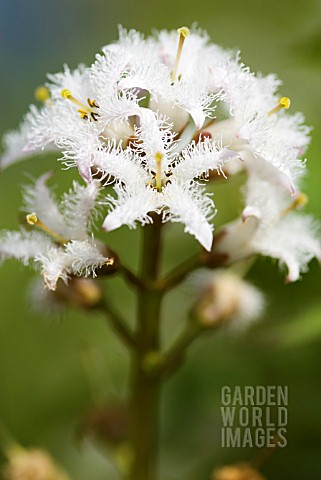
52	372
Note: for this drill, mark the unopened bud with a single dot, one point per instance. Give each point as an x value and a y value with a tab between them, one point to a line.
225	298
202	136
242	471
108	424
32	464
87	291
152	361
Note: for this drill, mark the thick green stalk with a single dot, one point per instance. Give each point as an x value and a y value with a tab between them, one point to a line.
145	385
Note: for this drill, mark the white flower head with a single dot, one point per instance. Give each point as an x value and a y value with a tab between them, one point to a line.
153	117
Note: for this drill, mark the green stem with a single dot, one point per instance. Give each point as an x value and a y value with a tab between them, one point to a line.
117	323
130	276
178	274
145	386
175	356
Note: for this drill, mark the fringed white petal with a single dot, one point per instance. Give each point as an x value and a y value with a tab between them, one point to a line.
130	208
78	208
294	241
54	264
85	258
16	143
192	207
198	159
115	163
22	245
39	199
81	258
151	76
155	136
192	95
79	146
77	81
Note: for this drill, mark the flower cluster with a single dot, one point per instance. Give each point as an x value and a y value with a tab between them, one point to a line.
154	117
62	247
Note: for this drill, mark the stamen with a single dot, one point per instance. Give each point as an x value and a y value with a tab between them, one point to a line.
42	93
159	158
284	102
300	201
183	33
32	219
84	111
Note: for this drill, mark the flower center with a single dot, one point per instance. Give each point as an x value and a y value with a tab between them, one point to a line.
158	179
159	158
183	33
84	110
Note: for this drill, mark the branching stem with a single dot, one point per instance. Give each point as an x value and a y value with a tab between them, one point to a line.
118	324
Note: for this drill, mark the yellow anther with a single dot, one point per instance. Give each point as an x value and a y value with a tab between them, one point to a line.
92	103
85	110
32	218
42	93
159	157
65	93
83	114
109	261
183	33
299	201
284	102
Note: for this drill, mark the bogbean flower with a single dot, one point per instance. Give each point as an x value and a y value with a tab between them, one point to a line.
60	245
270	225
155	116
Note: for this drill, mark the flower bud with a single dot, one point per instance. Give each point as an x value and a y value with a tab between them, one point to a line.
241	471
34	464
225	298
84	293
107	424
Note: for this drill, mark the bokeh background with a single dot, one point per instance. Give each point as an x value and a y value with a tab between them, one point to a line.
54	371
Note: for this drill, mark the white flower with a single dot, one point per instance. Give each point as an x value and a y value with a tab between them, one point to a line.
171	191
270	226
62	247
138	117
